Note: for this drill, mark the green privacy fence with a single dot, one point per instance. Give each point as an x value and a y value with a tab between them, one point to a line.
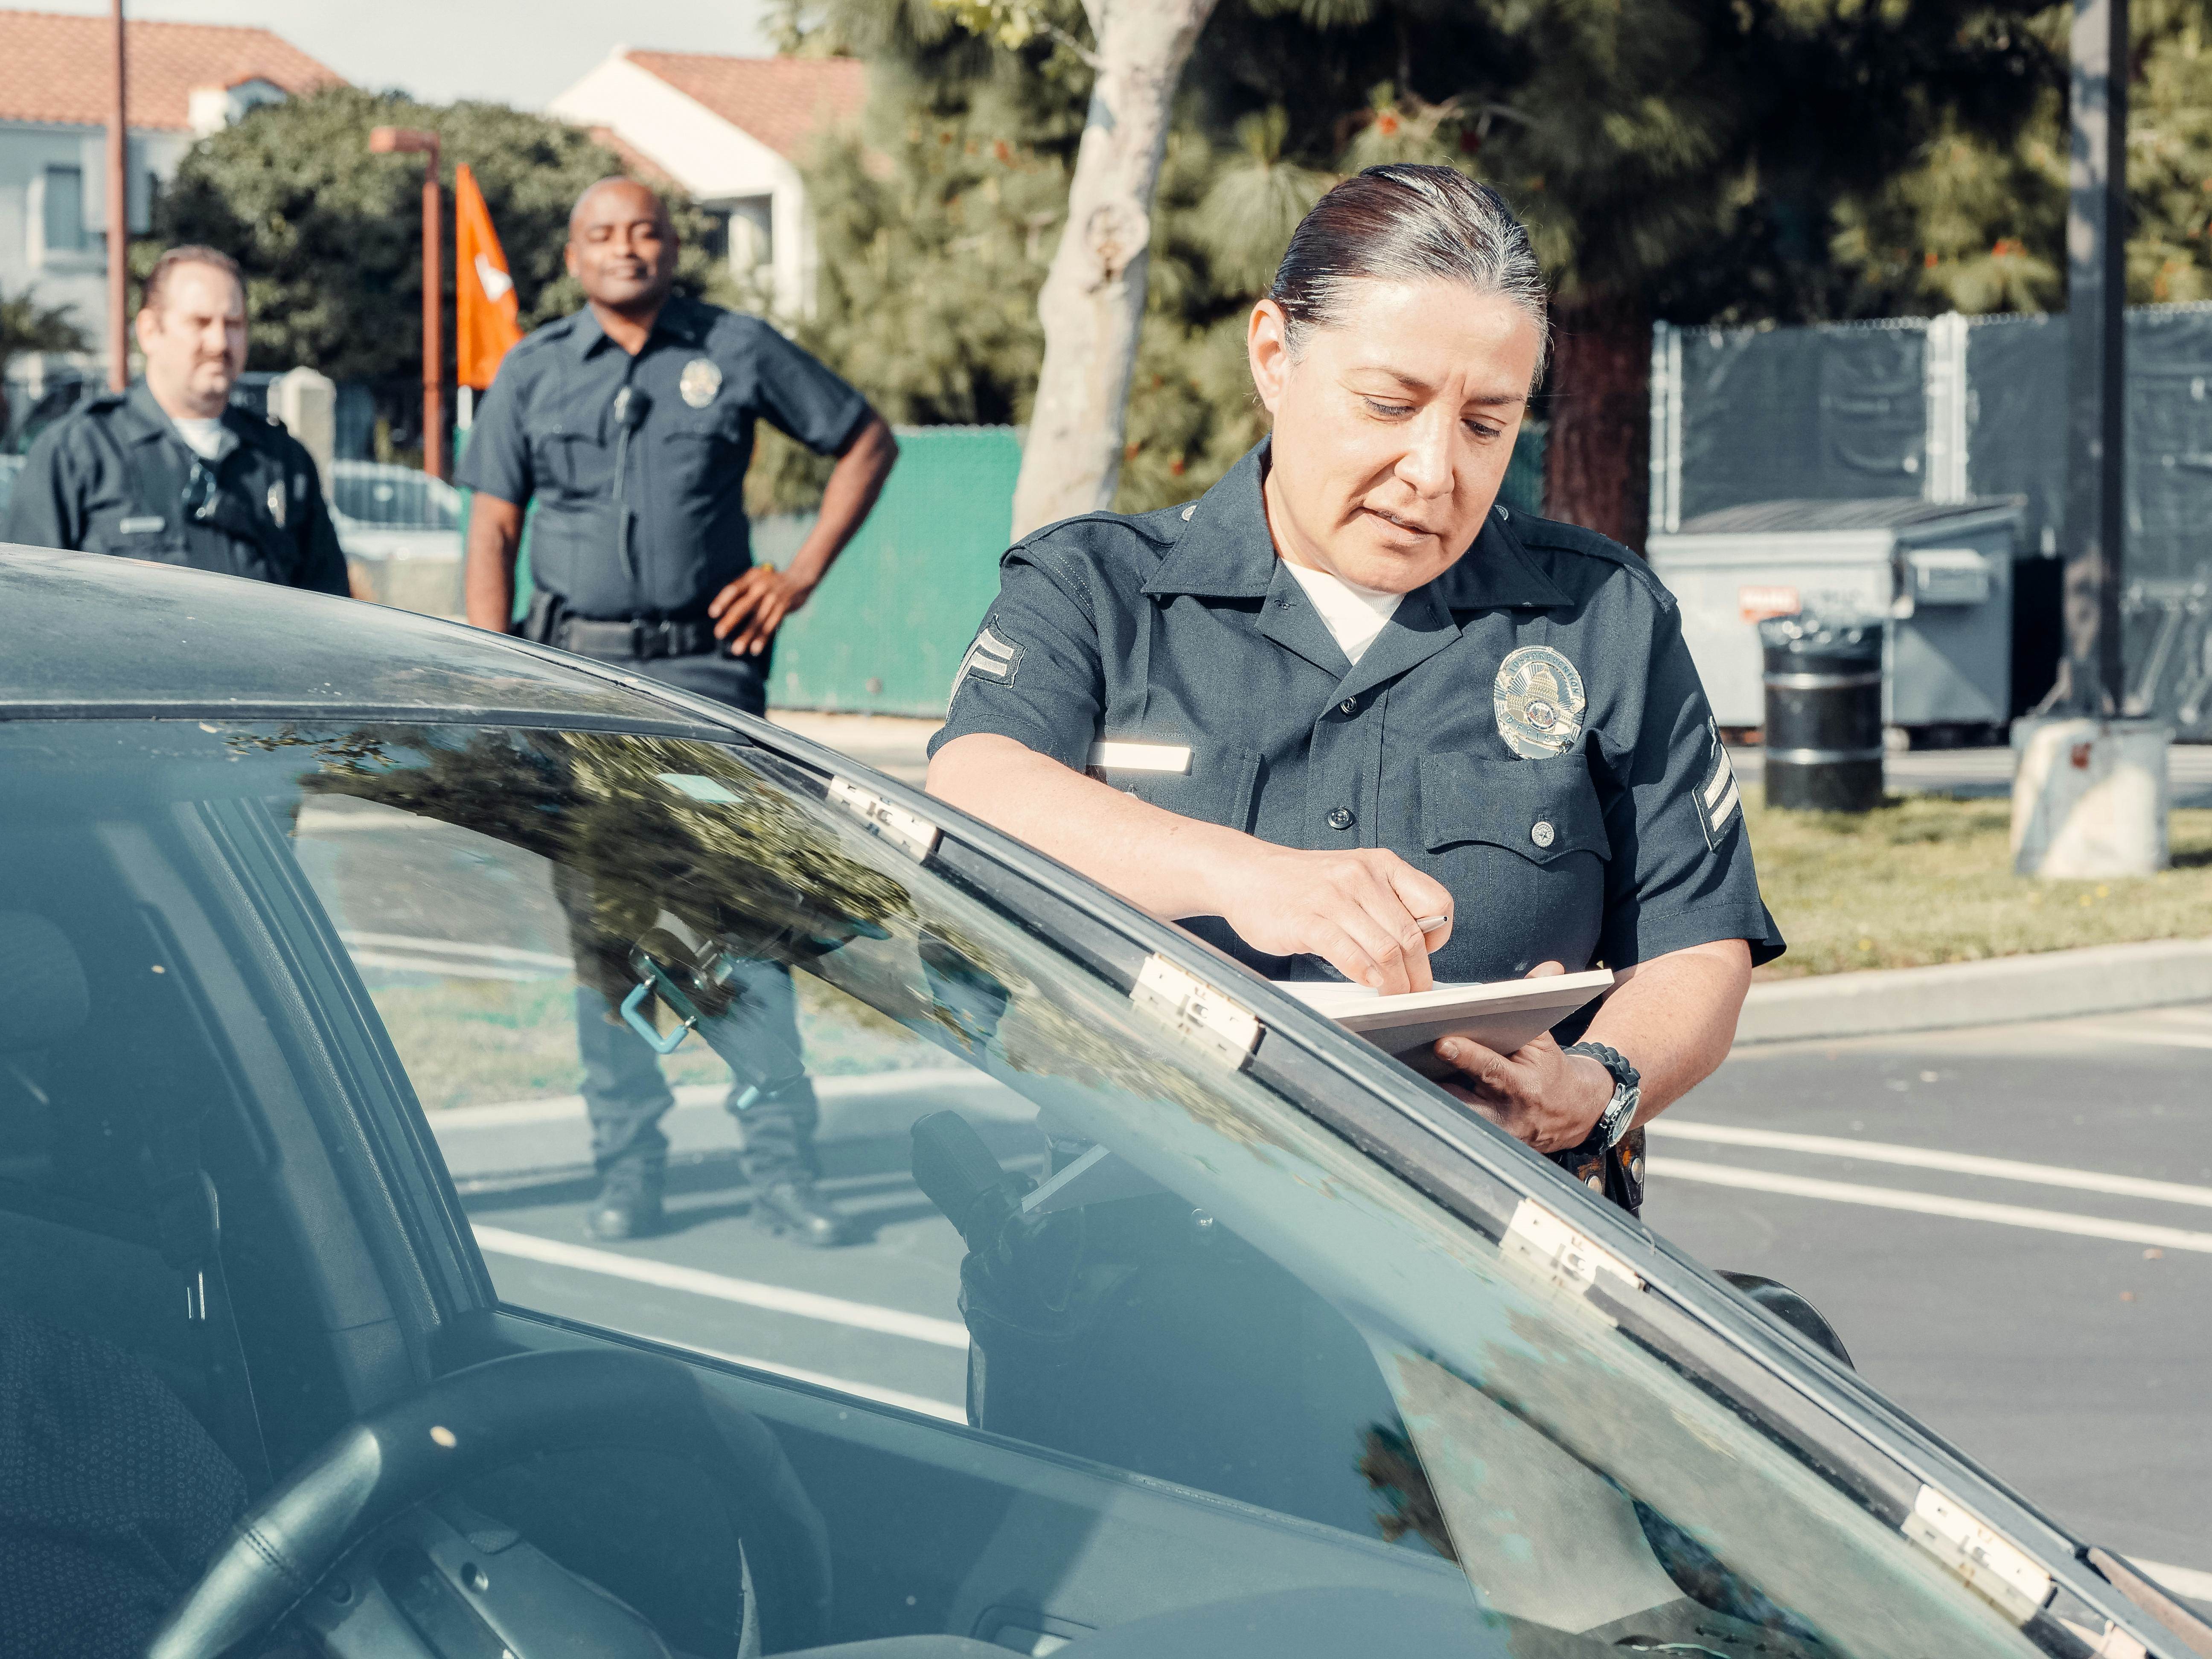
886	631
883	635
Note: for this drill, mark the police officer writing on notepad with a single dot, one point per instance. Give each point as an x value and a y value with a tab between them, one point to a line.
170	470
630	423
1345	710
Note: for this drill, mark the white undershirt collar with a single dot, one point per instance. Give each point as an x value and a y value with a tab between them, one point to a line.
1353	615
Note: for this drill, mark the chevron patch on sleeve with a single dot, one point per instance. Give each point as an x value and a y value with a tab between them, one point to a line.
991	657
1718	797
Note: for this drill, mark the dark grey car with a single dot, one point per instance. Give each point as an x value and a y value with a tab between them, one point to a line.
1183	1323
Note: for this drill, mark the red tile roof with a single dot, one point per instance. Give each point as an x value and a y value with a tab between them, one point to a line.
782	102
54	68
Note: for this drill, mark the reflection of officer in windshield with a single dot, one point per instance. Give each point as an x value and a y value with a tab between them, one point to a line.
169	471
1346	713
629	424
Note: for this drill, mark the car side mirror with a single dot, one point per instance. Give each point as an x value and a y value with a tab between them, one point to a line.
1793	1310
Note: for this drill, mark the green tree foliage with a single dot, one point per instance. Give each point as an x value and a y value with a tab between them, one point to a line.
1701	160
329	235
27	326
1978	222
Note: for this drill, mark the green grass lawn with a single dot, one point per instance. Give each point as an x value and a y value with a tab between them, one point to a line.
1925	878
470	1041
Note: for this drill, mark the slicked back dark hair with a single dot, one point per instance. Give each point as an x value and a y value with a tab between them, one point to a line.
1405	223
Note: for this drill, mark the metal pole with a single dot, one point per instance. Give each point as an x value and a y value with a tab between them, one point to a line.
118	213
2096	384
433	414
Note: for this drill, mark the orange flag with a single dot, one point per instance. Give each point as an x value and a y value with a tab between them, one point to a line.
484	326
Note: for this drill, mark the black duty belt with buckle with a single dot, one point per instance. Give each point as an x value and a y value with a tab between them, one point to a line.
643	640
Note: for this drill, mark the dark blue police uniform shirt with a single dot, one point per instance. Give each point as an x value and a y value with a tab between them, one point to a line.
1528	728
547	429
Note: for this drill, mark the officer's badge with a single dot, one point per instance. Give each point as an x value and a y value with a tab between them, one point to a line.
700	381
1539	698
277	504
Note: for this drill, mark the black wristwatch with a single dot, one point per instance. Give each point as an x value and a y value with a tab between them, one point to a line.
1627	1093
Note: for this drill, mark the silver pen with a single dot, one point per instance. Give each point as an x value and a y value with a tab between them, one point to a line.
1430	924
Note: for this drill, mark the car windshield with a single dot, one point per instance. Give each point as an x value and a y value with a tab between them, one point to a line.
1071	1227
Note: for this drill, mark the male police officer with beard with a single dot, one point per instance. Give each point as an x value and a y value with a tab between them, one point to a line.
169	471
630	423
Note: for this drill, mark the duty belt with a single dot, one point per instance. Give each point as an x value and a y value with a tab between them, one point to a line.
638	638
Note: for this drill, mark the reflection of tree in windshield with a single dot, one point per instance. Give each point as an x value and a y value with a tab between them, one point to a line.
746	865
768	875
1390	1465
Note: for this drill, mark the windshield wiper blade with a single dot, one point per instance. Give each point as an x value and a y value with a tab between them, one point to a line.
2122	1576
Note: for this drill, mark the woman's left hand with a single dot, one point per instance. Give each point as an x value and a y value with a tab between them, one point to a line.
1539	1094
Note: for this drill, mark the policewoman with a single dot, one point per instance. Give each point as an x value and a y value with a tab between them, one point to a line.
171	471
1345	712
630	424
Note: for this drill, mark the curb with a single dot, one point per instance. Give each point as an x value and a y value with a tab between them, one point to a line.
2101	979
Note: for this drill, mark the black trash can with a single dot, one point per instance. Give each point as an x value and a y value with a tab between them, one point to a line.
1823	713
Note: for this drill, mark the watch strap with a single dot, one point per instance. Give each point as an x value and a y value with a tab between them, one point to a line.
1627	1095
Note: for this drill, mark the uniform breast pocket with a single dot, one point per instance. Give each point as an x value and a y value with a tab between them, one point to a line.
1213	785
138	536
572	463
1523	845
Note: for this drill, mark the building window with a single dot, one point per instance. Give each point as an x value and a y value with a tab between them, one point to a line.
753	237
63	217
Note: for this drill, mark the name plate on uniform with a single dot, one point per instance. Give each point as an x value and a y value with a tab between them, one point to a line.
1139	757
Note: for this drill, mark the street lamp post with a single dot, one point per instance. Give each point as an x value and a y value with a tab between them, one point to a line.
2089	791
388	141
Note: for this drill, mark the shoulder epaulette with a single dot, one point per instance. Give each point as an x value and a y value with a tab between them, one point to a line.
1560	537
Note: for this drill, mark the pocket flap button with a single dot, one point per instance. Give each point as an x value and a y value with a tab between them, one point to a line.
1542	833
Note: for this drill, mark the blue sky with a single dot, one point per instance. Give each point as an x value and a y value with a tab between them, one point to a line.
519	52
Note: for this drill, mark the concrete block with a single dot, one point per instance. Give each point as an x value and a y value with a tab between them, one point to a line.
2089	797
307	402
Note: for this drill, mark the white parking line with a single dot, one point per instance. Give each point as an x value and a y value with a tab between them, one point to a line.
1921	1157
697	1281
1962	1209
446	968
942	1409
2142	1034
416	943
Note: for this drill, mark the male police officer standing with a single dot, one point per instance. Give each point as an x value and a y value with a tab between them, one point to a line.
168	470
631	423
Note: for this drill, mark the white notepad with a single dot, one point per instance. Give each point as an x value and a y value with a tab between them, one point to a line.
1502	1015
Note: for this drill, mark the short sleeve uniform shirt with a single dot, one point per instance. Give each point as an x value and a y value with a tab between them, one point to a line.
548	432
1528	728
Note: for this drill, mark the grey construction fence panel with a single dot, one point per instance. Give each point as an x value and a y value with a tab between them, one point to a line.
1954	409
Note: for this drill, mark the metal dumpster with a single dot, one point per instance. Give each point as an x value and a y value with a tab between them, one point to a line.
1941	572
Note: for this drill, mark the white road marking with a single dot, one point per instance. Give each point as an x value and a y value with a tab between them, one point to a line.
859	1085
697	1281
1921	1157
1962	1209
417	945
2143	1034
2182	1581
445	968
944	1410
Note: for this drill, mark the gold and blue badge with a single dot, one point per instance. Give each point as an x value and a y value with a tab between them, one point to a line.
1540	702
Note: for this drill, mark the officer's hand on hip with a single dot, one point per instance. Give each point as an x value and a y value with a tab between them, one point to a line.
1359	911
750	609
1539	1094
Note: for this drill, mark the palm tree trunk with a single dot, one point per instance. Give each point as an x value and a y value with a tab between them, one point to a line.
1092	304
1596	460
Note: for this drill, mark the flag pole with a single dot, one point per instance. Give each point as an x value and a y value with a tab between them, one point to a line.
119	210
